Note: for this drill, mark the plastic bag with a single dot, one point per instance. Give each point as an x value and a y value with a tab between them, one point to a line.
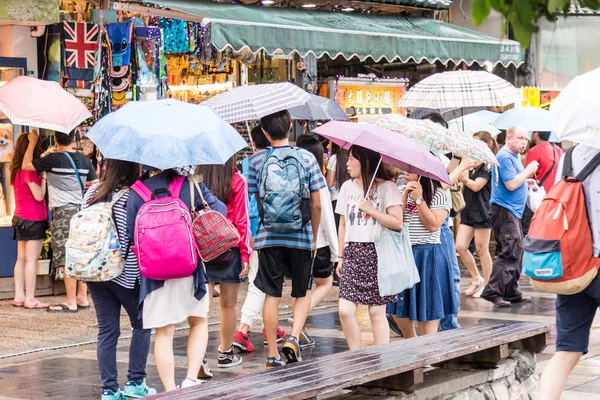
396	268
535	198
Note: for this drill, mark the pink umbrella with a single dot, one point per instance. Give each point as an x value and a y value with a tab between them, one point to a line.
396	150
41	104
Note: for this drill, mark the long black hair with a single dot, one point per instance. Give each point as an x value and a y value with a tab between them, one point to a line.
118	174
313	145
341	170
19	154
429	186
369	160
218	179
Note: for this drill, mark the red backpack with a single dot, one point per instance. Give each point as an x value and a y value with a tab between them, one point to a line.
559	254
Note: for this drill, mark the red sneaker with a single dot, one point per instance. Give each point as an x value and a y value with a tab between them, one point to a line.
281	335
242	342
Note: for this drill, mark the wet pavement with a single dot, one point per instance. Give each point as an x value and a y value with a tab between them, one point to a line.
72	373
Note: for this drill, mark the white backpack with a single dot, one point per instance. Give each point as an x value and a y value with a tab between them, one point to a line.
93	250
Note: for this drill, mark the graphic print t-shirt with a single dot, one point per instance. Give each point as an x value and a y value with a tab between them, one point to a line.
360	226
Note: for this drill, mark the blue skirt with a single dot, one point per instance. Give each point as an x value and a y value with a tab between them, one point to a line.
424	301
449	276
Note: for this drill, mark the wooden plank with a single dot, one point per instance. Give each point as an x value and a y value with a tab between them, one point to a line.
487	357
534	344
359	367
402	382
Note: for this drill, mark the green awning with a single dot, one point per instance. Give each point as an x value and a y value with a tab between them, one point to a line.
433	4
347	34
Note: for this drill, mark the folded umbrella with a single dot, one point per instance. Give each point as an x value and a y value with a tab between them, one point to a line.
575	112
166	134
438	138
247	103
394	149
41	104
319	108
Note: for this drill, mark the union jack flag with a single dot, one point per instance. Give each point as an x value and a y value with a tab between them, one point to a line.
81	44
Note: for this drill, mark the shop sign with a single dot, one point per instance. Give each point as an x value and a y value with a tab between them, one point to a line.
534	97
30	10
547	97
369	100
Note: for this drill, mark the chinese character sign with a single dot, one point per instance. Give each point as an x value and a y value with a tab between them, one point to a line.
369	100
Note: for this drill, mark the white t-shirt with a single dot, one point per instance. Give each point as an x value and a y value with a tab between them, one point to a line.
362	227
418	233
583	155
332	166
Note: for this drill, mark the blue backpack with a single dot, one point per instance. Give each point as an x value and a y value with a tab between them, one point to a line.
283	191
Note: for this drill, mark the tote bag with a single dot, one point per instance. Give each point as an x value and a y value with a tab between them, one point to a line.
396	268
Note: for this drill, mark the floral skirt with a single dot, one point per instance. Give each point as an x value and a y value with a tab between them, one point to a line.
358	282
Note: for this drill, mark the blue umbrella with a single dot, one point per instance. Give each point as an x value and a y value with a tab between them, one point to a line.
166	134
487	116
533	119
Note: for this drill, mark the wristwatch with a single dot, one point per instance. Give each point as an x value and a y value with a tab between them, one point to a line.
419	201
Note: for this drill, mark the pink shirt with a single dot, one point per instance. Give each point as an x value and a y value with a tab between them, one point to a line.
26	206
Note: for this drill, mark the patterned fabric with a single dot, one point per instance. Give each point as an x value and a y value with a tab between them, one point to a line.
120	41
461	89
176	35
435	137
358	282
61	220
248	103
82	41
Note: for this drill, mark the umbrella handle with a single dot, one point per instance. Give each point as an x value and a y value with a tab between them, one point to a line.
250	136
373	179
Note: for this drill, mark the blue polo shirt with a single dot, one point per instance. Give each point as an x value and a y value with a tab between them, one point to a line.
510	166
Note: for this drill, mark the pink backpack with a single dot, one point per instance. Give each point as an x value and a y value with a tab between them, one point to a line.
163	241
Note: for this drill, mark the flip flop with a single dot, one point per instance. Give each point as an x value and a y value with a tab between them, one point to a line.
83	307
37	306
63	309
18	303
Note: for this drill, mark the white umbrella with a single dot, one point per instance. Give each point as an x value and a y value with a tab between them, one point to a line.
247	103
471	124
487	116
461	89
576	111
533	119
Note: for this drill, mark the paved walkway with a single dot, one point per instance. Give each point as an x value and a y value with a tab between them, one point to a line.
70	371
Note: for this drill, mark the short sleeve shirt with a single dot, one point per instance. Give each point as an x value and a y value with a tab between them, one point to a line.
303	238
360	226
417	232
63	186
477	204
510	166
332	166
26	206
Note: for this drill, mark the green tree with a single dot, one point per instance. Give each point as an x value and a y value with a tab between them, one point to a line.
522	16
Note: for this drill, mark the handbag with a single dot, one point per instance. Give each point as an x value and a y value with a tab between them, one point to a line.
458	199
214	235
396	268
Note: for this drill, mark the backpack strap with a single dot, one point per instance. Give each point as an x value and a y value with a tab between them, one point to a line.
589	168
176	185
140	188
568	163
117	197
76	170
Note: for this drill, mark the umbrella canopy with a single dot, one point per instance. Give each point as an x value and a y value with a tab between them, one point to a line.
461	89
319	108
394	149
41	104
436	137
247	103
166	134
533	119
486	115
471	124
575	112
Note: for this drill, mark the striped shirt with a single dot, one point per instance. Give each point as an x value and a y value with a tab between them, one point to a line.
303	238
418	233
131	273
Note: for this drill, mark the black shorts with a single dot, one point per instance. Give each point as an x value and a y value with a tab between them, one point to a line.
277	263
323	266
476	219
29	230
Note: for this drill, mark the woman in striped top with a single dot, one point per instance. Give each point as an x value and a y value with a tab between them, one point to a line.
426	207
122	291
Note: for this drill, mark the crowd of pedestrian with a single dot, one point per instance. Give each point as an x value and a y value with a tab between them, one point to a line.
299	216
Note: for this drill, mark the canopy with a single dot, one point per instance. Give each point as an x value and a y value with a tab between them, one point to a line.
348	34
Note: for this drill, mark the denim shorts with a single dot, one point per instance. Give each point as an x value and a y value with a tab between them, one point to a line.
229	273
574	316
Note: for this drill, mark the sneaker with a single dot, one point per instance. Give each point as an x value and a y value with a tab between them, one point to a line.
291	350
305	339
273	362
242	342
228	359
205	371
110	395
134	390
190	382
281	335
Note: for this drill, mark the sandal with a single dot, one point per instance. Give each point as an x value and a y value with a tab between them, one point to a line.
83	307
18	303
63	309
38	305
474	288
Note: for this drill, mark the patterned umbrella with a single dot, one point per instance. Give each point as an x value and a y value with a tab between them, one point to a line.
461	89
438	138
319	108
246	103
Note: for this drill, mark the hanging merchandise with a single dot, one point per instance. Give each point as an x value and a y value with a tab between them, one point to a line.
176	35
103	90
205	48
120	40
192	30
81	41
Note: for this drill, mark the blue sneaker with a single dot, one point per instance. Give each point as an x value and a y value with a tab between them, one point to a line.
110	395
132	389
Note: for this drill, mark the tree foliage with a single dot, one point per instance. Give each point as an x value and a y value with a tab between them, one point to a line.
522	16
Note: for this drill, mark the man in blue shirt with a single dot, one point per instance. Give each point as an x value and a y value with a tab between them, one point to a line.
509	197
